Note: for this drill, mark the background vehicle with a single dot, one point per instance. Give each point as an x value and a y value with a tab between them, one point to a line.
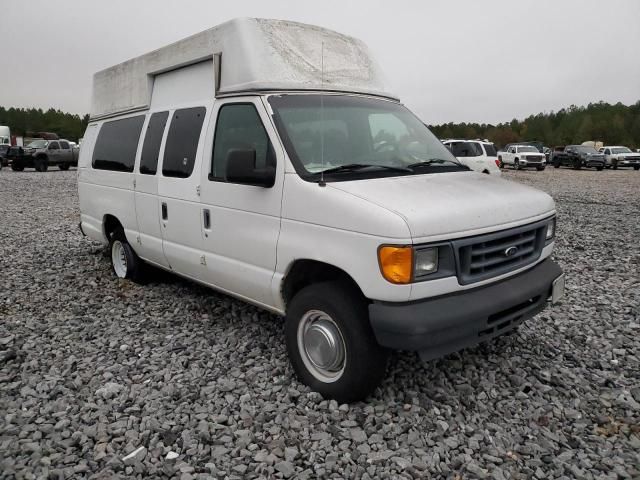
475	154
578	156
522	156
4	148
619	156
5	135
40	154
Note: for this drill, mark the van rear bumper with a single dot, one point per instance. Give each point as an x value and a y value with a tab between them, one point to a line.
438	326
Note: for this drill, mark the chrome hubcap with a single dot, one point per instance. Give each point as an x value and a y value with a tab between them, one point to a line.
119	259
321	346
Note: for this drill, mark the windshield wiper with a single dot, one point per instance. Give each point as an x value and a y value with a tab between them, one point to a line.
425	163
350	167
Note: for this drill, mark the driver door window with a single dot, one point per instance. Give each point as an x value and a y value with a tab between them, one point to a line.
54	146
239	128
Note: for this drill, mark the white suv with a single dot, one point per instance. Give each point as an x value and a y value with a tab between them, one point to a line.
478	155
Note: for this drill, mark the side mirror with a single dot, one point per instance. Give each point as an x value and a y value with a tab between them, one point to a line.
241	168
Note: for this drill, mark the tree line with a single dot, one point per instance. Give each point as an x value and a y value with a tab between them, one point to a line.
28	121
617	124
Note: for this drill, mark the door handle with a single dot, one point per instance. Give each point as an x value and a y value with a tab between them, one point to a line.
206	218
165	214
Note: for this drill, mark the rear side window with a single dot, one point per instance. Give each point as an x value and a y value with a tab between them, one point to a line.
117	144
64	145
239	127
466	149
151	145
490	149
182	142
54	146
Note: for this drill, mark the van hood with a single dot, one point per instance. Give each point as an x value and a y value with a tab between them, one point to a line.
455	204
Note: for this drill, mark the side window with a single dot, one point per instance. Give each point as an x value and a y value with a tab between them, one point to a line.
607	151
117	143
239	127
54	146
182	142
151	145
64	145
490	150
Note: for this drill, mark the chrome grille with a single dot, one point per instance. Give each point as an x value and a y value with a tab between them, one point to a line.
486	256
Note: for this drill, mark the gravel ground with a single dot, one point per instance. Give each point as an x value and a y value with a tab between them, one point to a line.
103	378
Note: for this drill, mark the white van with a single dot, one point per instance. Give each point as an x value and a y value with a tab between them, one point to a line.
5	135
266	160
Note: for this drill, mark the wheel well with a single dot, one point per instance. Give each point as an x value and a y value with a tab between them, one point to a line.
42	156
307	272
110	224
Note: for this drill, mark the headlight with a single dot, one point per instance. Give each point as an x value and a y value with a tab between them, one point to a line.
551	229
425	261
406	264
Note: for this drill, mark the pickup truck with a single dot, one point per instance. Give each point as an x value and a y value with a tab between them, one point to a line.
41	153
578	156
617	156
522	156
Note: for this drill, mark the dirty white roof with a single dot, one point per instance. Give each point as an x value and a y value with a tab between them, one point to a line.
256	54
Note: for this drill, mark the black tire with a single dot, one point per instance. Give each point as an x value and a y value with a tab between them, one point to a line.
16	167
636	167
600	168
134	269
541	168
365	361
556	163
41	164
577	164
614	164
64	166
516	164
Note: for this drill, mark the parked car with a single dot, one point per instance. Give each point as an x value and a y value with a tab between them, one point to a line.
475	154
578	156
4	148
41	153
522	156
337	209
619	156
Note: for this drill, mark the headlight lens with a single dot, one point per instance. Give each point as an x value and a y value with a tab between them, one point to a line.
425	261
551	229
405	264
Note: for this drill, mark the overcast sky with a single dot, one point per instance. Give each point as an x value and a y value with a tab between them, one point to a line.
474	61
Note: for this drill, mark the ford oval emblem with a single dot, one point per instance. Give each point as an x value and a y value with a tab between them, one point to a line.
511	251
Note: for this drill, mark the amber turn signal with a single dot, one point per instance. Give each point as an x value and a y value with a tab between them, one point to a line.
396	263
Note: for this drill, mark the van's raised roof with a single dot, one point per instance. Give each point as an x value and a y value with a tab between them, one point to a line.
255	55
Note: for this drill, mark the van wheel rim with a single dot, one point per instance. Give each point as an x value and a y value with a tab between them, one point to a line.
321	346
119	259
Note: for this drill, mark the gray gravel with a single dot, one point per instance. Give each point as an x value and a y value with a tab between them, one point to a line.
103	378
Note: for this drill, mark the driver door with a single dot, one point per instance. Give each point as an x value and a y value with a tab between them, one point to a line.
240	223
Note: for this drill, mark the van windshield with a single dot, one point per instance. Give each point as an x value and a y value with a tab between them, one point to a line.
343	137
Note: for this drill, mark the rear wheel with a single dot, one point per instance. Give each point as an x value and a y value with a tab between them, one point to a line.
125	262
636	167
331	344
63	166
614	164
516	164
577	164
16	167
600	168
540	168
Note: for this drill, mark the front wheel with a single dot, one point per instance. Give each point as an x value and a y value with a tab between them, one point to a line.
540	168
577	164
614	164
516	164
330	342
599	168
125	262
636	167
16	167
63	166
